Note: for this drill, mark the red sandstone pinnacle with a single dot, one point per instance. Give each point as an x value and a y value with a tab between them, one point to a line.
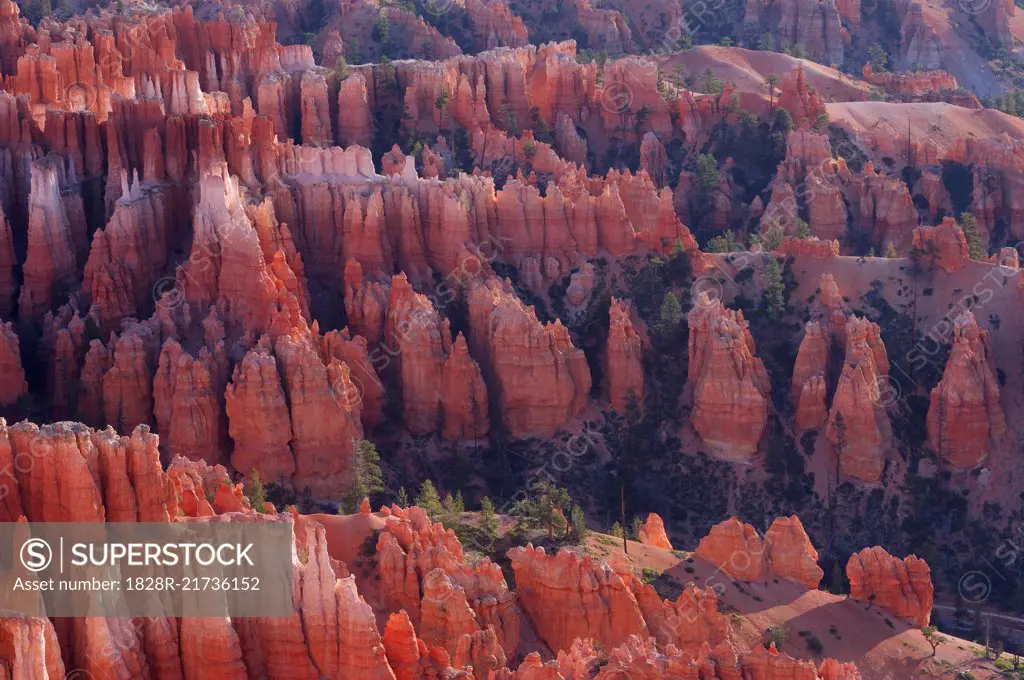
808	388
30	649
730	384
354	120
8	284
324	407
50	269
558	594
903	587
341	345
258	417
542	380
965	413
623	354
785	551
187	403
463	395
790	554
944	244
862	395
128	385
445	614
12	375
653	532
736	548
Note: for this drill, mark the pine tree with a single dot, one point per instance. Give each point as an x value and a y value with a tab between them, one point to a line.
890	251
969	223
255	492
878	58
578	522
774	290
711	84
637	523
452	508
771	80
367	478
402	500
616	530
547	506
723	243
341	67
803	230
488	519
707	174
429	499
671	312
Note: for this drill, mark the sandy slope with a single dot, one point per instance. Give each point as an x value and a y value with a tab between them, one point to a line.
942	123
748	69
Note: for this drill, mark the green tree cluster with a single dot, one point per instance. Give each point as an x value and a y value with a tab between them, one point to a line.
367	478
969	223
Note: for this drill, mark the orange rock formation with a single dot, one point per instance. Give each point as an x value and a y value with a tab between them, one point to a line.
904	587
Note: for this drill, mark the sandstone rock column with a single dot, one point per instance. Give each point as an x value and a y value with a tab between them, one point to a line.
861	435
8	284
12	375
809	388
965	413
324	407
50	269
730	384
904	587
354	120
653	532
187	404
567	596
258	418
623	354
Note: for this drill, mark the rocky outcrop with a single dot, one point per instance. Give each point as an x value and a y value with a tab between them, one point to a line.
730	385
324	408
904	587
808	248
858	425
789	553
886	210
567	597
920	47
258	418
12	375
354	119
815	26
8	282
945	245
442	386
785	551
50	270
809	385
187	404
912	83
29	649
652	532
736	548
623	359
965	414
541	379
